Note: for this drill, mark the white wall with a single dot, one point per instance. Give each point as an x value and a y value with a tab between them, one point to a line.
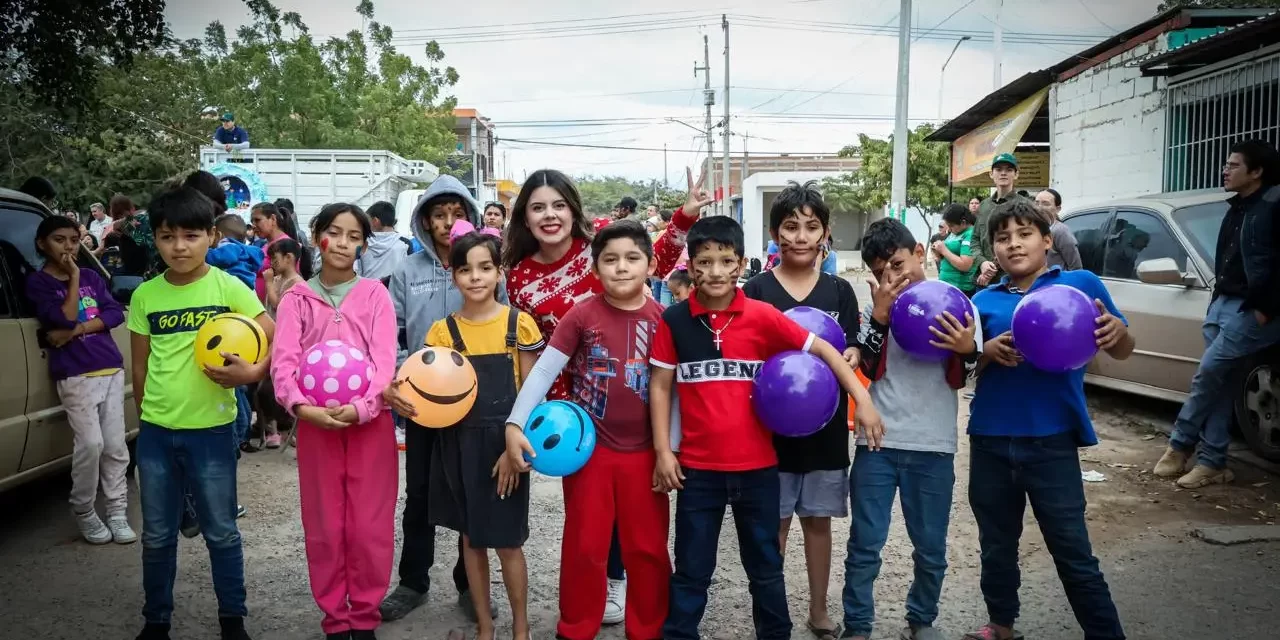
1108	131
754	217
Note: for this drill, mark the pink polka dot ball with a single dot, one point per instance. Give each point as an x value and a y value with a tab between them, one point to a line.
333	373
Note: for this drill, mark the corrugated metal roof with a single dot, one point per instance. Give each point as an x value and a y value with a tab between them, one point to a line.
1234	40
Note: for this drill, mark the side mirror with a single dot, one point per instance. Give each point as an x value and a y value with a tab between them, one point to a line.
1165	271
122	288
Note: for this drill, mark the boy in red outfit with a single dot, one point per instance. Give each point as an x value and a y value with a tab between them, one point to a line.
604	342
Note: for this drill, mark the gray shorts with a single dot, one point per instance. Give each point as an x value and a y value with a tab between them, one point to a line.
817	494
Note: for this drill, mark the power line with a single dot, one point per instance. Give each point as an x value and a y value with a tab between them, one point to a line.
651	149
562	20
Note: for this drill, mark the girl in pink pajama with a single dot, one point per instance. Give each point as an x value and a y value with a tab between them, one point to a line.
347	460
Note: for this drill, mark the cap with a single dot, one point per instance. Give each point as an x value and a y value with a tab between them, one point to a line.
228	117
1006	158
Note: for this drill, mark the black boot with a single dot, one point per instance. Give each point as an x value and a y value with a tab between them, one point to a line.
345	635
154	631
233	628
363	635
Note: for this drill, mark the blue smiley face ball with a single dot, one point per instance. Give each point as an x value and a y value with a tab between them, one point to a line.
563	437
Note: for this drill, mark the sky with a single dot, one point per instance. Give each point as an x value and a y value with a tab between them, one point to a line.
807	76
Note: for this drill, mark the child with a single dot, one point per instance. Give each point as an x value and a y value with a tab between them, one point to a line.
271	225
1025	427
77	313
468	466
232	254
679	284
813	470
604	341
916	457
713	343
291	266
348	472
955	260
187	415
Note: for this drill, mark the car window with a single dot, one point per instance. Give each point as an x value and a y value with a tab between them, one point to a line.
18	248
1135	237
1201	223
1089	230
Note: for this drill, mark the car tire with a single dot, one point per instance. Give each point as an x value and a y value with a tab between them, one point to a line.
1257	406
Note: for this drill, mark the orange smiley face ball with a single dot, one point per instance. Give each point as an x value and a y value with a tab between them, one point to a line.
440	384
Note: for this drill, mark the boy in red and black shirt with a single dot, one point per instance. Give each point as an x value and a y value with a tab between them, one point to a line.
712	345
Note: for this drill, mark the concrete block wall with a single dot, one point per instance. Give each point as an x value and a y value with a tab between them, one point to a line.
1108	131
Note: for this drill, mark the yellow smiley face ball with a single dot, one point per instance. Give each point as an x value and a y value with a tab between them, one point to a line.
232	333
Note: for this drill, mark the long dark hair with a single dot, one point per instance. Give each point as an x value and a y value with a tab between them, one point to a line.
294	248
283	220
520	243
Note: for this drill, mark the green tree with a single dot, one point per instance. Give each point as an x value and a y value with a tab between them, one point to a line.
600	193
1217	4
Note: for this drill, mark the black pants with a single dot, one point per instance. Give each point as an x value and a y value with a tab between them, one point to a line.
419	552
615	557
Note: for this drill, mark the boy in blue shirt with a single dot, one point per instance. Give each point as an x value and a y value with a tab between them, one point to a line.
1025	426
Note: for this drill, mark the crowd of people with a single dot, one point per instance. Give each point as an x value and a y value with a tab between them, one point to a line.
546	304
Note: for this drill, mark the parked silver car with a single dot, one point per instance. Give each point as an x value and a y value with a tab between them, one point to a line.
1155	254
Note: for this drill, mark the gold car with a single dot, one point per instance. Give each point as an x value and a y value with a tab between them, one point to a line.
35	439
1156	255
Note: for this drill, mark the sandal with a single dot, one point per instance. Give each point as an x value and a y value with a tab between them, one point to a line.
988	632
823	634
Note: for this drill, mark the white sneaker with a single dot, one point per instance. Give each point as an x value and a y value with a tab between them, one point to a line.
121	532
92	529
615	605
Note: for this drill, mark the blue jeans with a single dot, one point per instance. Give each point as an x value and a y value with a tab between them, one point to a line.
700	507
203	461
1003	473
244	415
1230	336
661	292
924	480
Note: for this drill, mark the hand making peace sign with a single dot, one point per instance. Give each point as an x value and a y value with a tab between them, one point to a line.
698	197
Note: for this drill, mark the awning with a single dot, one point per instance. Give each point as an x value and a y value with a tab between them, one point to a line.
1229	43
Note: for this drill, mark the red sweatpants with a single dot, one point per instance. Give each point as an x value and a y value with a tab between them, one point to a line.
614	484
348	480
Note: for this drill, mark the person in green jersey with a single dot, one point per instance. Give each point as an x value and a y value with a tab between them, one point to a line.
956	264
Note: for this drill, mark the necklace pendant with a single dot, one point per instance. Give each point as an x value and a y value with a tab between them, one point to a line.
718	341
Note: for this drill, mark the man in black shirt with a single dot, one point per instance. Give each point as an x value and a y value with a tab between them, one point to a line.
1243	319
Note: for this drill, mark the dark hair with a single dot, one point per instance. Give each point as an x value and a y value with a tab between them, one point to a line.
231	224
666	214
330	212
463	244
956	213
1258	154
793	199
885	237
520	242
283	217
680	277
121	206
620	230
51	224
181	208
1057	197
723	230
384	212
1020	210
210	186
628	203
285	203
39	187
501	207
293	248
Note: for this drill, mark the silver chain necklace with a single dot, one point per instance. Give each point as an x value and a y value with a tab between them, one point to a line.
716	332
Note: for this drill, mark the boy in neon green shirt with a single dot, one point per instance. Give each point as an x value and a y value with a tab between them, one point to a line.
187	441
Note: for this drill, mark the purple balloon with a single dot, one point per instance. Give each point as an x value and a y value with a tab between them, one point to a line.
917	309
796	394
1053	328
819	323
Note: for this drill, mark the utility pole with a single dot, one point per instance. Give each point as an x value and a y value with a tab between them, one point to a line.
708	99
724	171
745	137
475	166
898	193
666	180
997	48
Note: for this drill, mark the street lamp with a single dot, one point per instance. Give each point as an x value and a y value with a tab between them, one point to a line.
943	74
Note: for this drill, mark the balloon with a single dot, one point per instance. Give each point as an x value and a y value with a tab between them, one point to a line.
333	373
1053	328
821	324
917	309
230	333
563	437
796	394
440	384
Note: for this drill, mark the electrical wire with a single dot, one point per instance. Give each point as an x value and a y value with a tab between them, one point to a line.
650	149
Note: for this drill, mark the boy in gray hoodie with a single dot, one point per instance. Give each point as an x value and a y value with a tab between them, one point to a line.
423	292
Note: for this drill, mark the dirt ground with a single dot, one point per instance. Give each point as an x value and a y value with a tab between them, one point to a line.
1166	584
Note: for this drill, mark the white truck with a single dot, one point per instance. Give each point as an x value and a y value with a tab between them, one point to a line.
312	178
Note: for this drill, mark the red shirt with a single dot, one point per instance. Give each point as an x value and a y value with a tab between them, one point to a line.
719	428
548	291
609	368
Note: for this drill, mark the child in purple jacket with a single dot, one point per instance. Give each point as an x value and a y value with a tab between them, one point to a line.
77	312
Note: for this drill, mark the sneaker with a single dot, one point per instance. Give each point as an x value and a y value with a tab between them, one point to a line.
241	511
1172	463
400	602
121	532
233	628
92	529
1202	476
154	631
274	440
615	605
921	633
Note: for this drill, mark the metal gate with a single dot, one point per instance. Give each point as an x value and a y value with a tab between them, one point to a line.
1208	114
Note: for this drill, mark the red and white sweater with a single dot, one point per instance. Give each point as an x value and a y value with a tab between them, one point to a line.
548	291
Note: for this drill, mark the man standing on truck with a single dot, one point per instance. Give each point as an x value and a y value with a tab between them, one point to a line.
1243	319
229	135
